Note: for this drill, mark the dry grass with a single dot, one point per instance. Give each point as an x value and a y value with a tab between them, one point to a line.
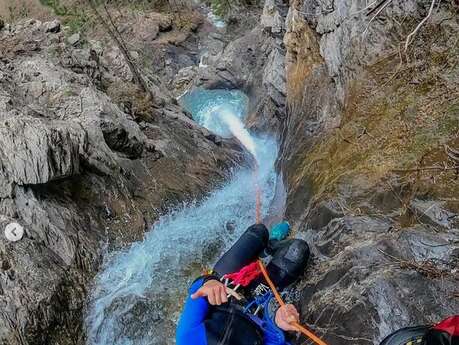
303	56
12	10
394	122
428	268
132	100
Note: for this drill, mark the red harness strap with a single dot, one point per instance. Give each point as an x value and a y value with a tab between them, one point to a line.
245	275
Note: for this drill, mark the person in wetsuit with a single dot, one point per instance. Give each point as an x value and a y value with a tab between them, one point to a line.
210	317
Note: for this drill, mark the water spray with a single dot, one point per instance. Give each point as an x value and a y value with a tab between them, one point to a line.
236	127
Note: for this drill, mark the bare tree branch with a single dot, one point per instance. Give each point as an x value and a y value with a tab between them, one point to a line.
428	268
364	9
411	35
383	6
381	3
446	168
112	30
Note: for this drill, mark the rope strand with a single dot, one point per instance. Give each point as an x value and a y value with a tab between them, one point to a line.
278	297
257	196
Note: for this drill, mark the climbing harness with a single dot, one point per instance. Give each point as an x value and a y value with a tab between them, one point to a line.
263	297
273	335
263	294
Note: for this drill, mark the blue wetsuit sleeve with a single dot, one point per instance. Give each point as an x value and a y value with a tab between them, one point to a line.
190	328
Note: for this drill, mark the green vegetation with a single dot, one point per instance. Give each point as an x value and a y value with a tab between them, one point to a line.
73	14
56	6
221	7
18	10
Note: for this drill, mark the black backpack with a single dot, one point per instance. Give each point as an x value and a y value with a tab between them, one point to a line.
443	333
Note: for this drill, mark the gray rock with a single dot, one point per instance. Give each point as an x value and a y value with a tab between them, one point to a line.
53	26
253	62
371	273
76	171
433	212
36	152
120	140
217	140
271	19
184	79
324	213
359	288
74	39
274	77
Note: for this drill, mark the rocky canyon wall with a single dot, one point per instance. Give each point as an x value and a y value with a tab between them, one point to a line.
363	115
82	170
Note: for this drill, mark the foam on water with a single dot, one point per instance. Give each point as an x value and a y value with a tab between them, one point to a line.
138	293
206	107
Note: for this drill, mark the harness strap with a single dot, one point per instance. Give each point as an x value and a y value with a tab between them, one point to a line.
245	275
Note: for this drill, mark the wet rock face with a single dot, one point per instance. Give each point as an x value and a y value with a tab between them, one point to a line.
36	152
385	245
78	173
368	280
248	59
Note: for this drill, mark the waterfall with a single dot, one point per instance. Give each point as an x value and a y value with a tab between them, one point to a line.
138	294
236	127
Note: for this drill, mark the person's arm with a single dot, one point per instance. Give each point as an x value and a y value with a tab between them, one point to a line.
204	291
190	328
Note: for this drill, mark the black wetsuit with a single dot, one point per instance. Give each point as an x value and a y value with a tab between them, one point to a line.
228	324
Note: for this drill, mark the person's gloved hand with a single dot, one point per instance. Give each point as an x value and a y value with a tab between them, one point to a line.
215	291
285	315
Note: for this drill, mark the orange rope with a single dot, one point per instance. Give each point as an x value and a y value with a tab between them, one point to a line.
258	196
278	297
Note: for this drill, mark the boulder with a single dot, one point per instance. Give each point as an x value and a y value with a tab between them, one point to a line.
53	26
36	152
271	18
74	39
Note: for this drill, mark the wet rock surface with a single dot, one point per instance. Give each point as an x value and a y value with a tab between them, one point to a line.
385	249
247	57
385	244
79	172
83	167
368	280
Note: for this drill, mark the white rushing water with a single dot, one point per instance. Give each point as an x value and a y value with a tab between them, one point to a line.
137	295
206	107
